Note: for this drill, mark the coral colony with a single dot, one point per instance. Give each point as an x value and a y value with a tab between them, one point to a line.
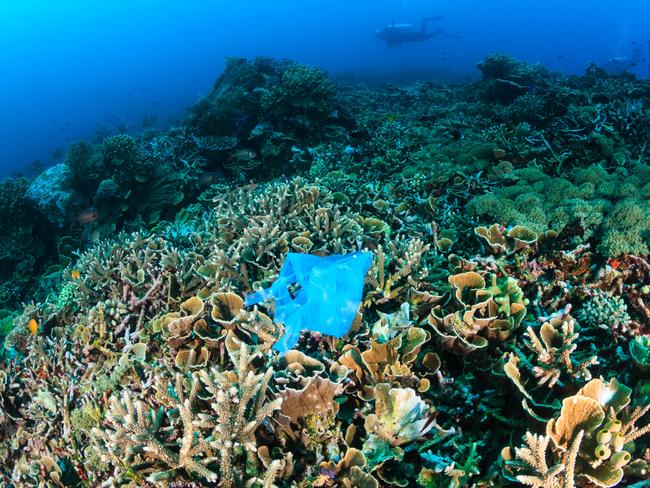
494	330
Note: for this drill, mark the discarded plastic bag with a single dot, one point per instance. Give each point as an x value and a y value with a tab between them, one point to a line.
321	294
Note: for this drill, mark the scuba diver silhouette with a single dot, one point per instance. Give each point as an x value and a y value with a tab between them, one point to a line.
395	34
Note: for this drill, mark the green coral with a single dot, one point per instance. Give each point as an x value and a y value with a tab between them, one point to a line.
86	165
301	90
640	352
66	296
627	229
593	204
125	161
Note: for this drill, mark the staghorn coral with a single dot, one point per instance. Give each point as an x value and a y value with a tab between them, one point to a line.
397	271
240	408
214	428
138	429
255	226
531	465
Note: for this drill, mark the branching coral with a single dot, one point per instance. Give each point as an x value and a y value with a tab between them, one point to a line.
137	429
604	312
532	466
256	226
239	407
397	271
215	415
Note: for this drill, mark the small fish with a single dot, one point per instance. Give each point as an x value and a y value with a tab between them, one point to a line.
208	178
243	155
75	274
32	325
87	216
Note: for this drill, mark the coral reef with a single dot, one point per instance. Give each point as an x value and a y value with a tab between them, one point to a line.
508	296
273	110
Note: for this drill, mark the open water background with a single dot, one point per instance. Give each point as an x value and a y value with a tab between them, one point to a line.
84	69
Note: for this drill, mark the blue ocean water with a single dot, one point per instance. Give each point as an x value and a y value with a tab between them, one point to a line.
74	69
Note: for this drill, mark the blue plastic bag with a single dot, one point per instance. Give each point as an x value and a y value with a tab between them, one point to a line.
321	294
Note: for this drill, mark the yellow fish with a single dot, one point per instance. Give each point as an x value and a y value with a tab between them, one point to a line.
32	325
75	274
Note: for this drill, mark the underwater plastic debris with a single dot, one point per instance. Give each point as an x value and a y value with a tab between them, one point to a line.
321	294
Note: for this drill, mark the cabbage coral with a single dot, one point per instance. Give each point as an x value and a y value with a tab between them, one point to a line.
400	415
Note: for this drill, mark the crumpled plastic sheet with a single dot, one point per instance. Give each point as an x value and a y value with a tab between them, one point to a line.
321	294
